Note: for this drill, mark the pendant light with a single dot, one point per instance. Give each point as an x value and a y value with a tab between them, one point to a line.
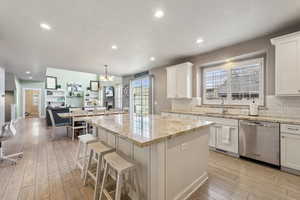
106	77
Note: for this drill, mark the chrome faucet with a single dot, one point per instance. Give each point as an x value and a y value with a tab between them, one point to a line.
224	110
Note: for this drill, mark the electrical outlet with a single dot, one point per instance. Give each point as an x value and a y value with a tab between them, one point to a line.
184	146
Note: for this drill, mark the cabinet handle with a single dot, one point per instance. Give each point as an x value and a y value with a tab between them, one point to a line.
293	129
282	136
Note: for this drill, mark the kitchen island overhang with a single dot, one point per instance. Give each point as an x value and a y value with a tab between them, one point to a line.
172	153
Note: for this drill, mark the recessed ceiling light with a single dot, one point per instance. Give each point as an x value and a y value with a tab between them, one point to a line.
27	72
199	40
114	47
159	14
30	77
45	26
152	58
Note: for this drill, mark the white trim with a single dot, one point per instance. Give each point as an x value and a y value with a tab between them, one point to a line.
151	93
278	39
188	191
40	100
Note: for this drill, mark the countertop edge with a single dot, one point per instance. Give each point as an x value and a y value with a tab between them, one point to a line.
153	141
239	117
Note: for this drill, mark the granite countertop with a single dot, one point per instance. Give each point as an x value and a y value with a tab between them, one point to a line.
89	113
146	130
291	120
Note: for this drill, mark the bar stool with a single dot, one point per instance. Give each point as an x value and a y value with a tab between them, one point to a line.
97	151
81	160
121	165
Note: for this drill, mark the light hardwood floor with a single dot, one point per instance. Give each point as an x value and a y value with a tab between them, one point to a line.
47	171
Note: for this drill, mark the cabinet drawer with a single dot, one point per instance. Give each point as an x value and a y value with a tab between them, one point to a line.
288	128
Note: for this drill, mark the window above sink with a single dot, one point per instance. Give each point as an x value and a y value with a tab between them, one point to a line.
234	83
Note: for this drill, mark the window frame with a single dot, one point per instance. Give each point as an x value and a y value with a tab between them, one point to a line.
228	66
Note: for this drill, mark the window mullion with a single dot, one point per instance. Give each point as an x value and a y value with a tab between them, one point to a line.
229	86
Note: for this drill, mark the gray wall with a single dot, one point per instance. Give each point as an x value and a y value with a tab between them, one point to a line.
9	81
160	90
126	81
261	44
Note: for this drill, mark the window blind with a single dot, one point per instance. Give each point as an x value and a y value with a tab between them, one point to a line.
235	83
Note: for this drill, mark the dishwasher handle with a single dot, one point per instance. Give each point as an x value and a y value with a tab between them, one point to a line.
255	123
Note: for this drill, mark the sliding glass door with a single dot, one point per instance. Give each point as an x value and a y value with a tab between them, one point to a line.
141	95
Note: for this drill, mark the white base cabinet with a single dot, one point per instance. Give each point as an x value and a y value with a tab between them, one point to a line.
167	170
290	143
212	136
217	138
224	134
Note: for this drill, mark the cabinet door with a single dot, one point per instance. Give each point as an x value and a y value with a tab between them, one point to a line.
184	81
289	151
287	67
171	82
232	144
212	136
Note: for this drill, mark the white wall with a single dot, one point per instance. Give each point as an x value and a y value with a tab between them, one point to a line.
66	76
2	96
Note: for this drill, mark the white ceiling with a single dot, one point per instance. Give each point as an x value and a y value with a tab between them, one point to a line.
84	31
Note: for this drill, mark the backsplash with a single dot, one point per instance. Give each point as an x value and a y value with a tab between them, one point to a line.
275	106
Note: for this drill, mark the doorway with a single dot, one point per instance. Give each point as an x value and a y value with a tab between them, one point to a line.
9	101
141	95
31	103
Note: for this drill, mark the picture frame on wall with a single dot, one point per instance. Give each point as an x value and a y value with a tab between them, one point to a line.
94	85
51	83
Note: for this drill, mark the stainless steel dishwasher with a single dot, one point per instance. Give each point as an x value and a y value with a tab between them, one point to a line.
260	141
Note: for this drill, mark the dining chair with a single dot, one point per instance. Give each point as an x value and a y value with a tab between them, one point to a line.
57	125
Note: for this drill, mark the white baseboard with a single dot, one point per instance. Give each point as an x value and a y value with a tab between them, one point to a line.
188	191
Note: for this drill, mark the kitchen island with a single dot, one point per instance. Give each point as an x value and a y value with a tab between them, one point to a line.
171	153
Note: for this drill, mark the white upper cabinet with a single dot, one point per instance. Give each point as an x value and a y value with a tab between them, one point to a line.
287	64
179	81
171	82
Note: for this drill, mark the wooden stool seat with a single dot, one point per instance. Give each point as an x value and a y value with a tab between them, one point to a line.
84	141
100	148
121	164
118	163
87	138
94	170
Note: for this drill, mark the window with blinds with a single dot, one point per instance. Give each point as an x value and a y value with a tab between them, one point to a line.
234	83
